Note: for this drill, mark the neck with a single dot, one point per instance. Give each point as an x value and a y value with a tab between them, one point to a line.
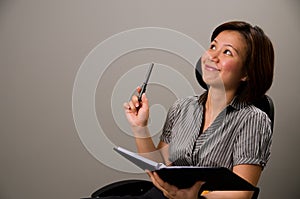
217	100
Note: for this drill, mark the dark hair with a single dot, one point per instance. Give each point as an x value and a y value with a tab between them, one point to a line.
259	62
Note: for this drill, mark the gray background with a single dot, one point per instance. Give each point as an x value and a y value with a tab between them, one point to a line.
42	45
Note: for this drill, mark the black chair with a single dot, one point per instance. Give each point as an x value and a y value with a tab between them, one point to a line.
138	187
133	187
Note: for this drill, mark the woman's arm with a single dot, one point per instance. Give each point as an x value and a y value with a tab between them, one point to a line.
147	148
137	113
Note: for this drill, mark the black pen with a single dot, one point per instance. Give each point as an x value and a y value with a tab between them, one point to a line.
143	89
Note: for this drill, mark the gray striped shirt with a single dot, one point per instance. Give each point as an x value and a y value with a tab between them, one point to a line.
241	134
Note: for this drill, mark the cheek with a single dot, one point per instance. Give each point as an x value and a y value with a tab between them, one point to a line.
205	55
232	66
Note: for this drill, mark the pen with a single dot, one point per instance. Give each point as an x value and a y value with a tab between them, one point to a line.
143	89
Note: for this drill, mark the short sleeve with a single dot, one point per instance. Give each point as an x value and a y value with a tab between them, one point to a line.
253	143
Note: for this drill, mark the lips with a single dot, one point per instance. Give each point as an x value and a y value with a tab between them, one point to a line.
211	68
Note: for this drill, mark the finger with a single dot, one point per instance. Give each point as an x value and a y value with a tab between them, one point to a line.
170	195
167	195
135	101
148	172
172	190
144	98
197	186
132	107
158	179
126	106
138	89
144	102
155	183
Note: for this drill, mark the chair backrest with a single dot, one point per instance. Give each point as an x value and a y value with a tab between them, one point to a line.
265	103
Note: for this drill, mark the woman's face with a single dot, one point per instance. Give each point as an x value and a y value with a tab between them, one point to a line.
222	64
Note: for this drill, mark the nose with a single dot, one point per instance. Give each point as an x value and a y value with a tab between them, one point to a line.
214	55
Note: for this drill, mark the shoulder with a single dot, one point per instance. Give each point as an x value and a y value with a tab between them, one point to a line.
195	99
254	121
252	111
248	116
247	110
183	105
187	102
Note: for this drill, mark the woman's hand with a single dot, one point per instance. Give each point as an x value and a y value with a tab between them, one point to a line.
173	192
137	113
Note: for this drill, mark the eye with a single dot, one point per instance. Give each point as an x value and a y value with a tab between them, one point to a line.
228	52
212	47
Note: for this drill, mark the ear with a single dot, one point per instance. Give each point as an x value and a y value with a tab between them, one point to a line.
245	78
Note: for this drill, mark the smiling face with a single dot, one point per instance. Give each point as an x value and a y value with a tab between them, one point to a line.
222	64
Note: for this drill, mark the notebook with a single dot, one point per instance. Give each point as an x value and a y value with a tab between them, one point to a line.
215	178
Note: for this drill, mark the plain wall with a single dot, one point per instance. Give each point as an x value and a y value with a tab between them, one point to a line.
42	46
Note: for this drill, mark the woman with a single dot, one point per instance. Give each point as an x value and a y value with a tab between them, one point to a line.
221	127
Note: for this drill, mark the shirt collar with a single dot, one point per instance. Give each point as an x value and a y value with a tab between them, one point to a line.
234	104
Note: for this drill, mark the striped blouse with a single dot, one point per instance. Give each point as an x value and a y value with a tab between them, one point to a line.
241	134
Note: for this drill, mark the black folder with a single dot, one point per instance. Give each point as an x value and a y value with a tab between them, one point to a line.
215	178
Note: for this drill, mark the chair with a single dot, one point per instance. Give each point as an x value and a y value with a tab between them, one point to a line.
132	187
138	187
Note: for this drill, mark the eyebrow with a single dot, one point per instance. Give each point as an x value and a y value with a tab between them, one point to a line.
229	46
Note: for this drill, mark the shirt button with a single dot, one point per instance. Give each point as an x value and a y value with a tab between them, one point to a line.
262	163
